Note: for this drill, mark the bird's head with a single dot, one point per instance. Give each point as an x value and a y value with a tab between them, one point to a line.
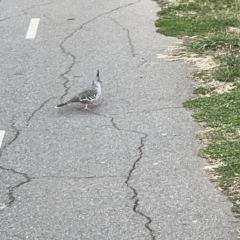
96	80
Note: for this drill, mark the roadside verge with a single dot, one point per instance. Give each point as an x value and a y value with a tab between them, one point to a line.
210	35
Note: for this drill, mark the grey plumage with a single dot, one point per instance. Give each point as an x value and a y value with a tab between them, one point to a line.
87	96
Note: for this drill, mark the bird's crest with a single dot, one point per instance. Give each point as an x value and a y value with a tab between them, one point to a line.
96	79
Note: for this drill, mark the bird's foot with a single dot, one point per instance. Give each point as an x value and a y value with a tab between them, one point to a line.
95	103
86	107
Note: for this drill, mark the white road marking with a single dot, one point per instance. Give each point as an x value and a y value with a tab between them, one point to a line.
2	206
32	29
2	132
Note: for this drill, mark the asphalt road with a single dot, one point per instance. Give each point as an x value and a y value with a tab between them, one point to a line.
128	168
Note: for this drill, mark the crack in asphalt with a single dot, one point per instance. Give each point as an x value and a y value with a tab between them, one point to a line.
143	62
17	132
114	124
68	53
24	11
80	178
4	19
132	48
127	181
11	189
65	84
36	110
135	192
37	5
136	202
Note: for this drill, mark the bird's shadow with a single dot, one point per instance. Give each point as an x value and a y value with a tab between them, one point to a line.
76	109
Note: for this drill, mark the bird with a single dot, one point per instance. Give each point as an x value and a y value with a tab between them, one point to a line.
88	96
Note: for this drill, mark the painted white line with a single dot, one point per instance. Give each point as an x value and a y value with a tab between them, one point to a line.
2	206
32	29
2	132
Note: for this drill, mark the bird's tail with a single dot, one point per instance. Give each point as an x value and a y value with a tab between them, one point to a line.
62	104
97	73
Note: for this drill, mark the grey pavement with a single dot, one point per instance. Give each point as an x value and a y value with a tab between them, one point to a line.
127	169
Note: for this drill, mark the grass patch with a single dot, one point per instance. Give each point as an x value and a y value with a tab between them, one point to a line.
212	42
229	68
218	110
210	30
198	18
202	90
191	25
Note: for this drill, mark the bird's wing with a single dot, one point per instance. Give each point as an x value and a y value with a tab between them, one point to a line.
74	99
88	95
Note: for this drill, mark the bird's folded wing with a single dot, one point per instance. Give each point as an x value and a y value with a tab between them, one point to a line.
88	95
74	99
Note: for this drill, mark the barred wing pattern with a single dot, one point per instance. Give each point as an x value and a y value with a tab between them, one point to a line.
88	95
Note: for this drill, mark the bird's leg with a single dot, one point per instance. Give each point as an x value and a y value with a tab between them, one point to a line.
86	108
95	103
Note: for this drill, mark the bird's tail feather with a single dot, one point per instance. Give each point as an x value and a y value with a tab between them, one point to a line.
62	104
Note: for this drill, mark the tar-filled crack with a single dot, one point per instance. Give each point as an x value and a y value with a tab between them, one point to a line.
132	48
68	53
36	110
11	189
135	192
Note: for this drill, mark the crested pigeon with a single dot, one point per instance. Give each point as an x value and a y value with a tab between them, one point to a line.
88	96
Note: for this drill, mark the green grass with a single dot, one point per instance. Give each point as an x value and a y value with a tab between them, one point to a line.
191	25
218	110
198	18
212	23
202	90
212	42
229	68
